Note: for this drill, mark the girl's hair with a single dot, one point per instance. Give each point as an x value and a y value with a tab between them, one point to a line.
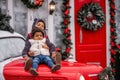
38	20
34	30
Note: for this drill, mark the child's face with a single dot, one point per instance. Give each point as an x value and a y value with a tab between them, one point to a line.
40	25
38	36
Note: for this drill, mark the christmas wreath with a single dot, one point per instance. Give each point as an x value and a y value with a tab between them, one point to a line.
91	16
34	4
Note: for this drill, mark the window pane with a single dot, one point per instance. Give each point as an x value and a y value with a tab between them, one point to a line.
117	19
20	17
3	6
58	36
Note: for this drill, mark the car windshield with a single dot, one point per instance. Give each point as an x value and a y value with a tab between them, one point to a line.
11	46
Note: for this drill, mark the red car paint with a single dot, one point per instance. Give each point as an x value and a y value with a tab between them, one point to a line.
69	71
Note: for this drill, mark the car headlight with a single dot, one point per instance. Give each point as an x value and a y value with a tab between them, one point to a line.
81	77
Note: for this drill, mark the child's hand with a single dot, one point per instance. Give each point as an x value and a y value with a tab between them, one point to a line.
25	57
31	53
53	54
45	46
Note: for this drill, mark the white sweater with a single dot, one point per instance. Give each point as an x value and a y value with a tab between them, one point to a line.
36	47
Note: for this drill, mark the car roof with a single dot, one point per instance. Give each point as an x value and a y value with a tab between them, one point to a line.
4	34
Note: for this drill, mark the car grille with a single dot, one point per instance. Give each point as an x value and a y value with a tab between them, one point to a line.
36	78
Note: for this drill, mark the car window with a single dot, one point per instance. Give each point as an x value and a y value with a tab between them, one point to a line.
11	47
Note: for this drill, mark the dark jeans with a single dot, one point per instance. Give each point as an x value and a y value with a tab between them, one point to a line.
39	59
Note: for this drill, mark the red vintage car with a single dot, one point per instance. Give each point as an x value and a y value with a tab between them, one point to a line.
12	64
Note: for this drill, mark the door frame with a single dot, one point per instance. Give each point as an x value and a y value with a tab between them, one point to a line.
107	34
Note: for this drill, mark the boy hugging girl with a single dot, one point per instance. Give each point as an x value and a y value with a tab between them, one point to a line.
38	49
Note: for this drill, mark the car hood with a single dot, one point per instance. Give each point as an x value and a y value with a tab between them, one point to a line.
16	68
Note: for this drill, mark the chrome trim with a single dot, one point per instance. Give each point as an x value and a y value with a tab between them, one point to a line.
91	75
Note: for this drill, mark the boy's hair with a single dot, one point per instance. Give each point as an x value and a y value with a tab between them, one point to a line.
34	30
38	20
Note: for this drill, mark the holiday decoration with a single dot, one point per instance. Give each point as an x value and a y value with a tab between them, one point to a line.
115	48
4	22
66	31
113	33
33	4
91	16
106	74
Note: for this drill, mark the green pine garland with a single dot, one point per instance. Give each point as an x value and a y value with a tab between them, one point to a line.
115	48
91	16
66	31
106	74
113	34
31	5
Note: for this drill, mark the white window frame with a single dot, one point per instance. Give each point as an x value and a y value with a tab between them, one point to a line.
50	25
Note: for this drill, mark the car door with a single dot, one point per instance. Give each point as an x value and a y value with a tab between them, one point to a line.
90	45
